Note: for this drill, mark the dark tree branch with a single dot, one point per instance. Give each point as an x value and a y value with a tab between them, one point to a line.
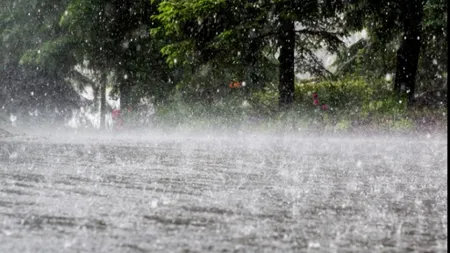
326	34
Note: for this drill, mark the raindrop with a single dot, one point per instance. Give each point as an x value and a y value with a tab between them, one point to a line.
13	118
154	204
13	155
125	76
39	51
243	84
399	101
358	164
434	61
314	245
32	93
388	77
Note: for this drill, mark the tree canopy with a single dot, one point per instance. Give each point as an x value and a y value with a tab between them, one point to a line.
250	33
156	48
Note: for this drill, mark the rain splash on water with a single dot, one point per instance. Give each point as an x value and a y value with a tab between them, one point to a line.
222	192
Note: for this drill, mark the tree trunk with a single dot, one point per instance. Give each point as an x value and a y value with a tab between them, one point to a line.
125	94
95	91
103	81
409	51
286	82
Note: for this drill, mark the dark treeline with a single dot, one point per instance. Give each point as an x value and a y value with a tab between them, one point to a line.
151	49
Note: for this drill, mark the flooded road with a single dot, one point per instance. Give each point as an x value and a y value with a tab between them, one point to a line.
251	193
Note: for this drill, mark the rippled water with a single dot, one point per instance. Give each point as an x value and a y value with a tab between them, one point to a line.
251	193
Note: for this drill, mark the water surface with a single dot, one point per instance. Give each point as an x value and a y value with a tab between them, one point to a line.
216	193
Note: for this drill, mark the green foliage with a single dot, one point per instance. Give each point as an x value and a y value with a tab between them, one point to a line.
113	36
51	56
346	95
353	103
247	37
433	61
181	55
25	25
384	22
366	58
403	124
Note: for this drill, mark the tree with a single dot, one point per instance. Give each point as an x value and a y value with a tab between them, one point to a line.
433	60
411	28
409	50
113	37
206	30
29	88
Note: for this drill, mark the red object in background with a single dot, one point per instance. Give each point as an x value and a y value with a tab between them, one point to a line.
234	85
316	99
115	114
317	102
117	119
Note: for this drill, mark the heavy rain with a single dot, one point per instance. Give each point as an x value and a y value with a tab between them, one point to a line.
223	126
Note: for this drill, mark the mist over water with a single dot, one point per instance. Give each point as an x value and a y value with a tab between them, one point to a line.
222	191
